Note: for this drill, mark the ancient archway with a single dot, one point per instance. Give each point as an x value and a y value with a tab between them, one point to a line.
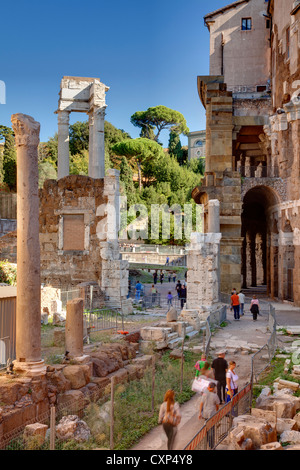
260	245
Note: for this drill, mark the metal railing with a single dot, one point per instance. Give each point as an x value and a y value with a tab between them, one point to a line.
217	428
159	301
103	319
160	249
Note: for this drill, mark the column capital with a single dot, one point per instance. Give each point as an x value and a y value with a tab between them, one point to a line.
26	129
63	117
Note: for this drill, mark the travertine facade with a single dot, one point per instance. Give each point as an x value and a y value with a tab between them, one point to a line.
252	150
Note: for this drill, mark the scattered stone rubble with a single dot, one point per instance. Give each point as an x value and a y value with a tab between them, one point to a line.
168	334
274	424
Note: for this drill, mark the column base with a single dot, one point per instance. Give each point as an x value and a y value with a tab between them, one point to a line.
30	369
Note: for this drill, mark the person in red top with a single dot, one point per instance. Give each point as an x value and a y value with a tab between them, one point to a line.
235	303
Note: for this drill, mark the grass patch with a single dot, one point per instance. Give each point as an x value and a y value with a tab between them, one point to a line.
133	413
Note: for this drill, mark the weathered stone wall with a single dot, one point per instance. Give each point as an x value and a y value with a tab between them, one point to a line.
8	247
79	235
70	196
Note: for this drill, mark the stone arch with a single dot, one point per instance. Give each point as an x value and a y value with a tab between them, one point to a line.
260	233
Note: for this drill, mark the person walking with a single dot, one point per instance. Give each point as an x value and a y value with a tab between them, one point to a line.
162	278
155	277
209	405
183	295
206	371
254	307
231	381
138	290
169	277
220	367
235	303
167	261
178	288
242	303
153	293
174	277
170	298
199	365
170	417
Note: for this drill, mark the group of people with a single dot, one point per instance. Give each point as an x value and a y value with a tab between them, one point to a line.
222	386
171	276
237	304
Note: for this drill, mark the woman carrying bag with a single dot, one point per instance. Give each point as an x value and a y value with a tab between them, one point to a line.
170	417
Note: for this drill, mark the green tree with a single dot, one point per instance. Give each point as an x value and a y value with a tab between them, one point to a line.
140	151
79	163
175	149
48	151
126	177
46	172
10	162
79	137
160	118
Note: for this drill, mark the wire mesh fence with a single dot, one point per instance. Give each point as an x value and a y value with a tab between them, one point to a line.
116	418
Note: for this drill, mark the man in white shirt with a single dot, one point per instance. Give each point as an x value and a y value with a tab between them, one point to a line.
242	302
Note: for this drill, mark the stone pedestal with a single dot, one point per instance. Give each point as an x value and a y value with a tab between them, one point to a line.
203	276
28	318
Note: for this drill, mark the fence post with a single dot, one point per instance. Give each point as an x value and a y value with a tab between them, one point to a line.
182	361
52	428
153	383
112	397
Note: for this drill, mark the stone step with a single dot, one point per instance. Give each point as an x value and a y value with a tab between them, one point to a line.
174	343
172	336
192	334
188	329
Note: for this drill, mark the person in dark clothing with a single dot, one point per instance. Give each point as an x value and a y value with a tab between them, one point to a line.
178	288
155	277
220	367
183	295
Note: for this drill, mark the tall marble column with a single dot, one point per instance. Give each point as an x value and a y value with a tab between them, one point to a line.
96	143
63	166
28	318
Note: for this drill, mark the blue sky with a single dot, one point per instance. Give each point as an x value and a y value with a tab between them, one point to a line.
148	53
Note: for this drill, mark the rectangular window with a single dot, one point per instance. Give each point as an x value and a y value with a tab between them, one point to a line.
246	24
288	43
73	232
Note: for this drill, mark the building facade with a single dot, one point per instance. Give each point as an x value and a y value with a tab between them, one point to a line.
252	99
196	144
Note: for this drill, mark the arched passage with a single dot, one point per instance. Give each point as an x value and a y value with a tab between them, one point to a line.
257	229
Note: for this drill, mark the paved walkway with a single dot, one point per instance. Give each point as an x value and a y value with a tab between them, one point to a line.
244	330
